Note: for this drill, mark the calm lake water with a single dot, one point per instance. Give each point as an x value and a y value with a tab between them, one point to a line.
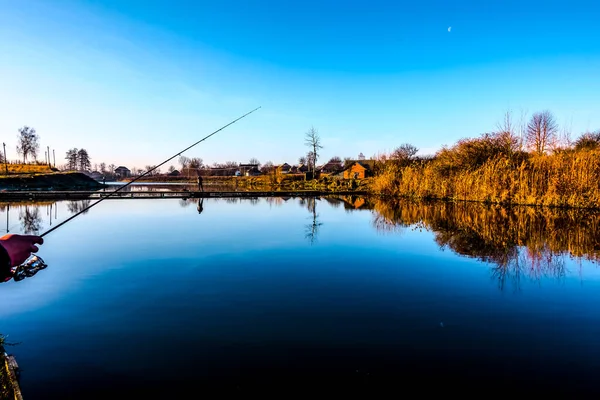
151	295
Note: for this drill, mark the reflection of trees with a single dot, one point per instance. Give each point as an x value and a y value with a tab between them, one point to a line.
186	202
312	229
275	201
78	206
519	241
30	219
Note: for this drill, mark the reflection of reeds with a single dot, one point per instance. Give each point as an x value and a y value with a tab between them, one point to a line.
517	240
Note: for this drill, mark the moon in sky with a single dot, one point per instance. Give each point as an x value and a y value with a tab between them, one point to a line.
449	29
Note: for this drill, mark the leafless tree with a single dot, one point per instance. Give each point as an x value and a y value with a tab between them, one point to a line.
541	132
254	160
267	167
313	141
302	160
506	136
404	152
28	144
184	161
195	162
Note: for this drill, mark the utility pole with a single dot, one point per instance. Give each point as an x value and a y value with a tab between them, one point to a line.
54	157
48	147
5	160
46	156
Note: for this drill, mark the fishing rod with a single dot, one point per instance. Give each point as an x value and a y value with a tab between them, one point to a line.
146	173
35	263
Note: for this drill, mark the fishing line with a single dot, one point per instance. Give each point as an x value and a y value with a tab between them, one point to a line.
146	173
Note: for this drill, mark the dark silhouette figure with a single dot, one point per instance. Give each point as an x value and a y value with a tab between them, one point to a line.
200	183
200	205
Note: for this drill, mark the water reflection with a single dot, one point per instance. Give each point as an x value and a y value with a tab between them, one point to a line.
77	206
30	219
312	229
519	242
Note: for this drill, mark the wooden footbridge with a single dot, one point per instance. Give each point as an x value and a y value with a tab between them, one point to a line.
155	194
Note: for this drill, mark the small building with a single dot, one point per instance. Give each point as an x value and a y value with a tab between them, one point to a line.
96	175
174	173
284	168
359	170
331	168
254	171
244	168
123	172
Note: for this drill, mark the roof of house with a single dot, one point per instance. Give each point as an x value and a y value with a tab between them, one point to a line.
122	168
366	164
331	165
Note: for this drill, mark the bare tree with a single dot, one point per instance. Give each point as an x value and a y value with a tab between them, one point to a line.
195	163
28	144
103	167
184	161
267	167
254	160
111	168
405	151
302	160
541	132
506	136
171	169
565	140
310	160
313	141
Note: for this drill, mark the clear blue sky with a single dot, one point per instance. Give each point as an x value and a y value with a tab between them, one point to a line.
135	81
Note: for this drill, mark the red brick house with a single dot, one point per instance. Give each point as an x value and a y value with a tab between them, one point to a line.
359	170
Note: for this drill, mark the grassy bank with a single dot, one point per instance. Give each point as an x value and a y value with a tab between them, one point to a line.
25	169
478	171
288	182
49	181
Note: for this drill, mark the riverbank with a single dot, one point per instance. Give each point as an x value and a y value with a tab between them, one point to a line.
48	181
9	384
563	179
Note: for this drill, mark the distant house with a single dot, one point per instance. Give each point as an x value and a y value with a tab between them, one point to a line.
254	171
302	168
123	172
284	168
359	170
245	168
174	173
96	175
331	168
